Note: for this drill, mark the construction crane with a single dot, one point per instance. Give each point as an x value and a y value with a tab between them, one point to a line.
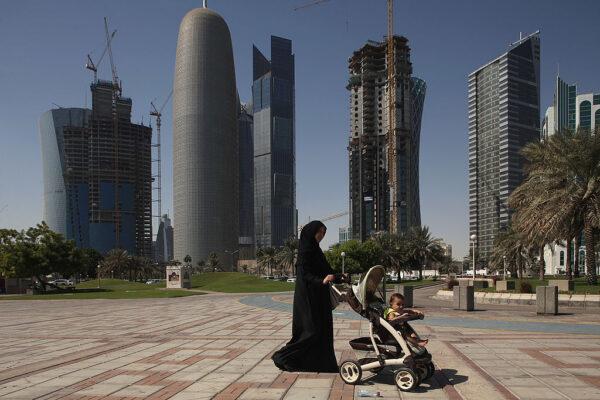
157	113
113	68
392	135
328	218
312	3
94	66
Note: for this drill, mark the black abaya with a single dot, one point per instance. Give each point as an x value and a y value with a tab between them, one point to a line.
311	346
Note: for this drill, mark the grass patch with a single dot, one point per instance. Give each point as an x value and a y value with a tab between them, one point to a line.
237	282
109	289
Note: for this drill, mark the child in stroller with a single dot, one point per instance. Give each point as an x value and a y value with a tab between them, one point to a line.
389	340
396	311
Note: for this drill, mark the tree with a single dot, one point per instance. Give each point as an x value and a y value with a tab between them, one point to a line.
512	248
393	250
561	192
266	257
187	259
423	248
213	263
116	263
287	254
91	259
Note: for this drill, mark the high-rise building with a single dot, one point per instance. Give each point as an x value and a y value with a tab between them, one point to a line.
344	234
570	110
504	115
246	187
97	173
163	246
273	100
368	148
205	140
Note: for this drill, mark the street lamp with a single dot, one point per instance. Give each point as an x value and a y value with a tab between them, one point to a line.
473	237
343	257
232	253
504	262
98	274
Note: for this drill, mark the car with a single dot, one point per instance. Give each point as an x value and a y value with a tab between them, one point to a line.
291	279
62	283
152	281
283	278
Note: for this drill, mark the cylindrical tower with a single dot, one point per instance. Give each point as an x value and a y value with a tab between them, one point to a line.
205	142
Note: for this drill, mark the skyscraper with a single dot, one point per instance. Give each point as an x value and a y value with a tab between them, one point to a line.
163	246
246	187
570	110
97	174
504	115
368	148
273	99
205	141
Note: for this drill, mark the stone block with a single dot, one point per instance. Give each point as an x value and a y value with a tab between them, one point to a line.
503	286
477	284
547	299
407	292
464	298
464	282
563	285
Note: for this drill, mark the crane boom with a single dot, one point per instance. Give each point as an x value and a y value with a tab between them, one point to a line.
312	3
113	68
328	218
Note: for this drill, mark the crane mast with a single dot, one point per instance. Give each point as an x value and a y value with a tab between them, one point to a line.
392	135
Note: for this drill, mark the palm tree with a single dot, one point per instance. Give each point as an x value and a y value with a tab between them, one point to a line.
286	256
213	262
267	258
561	192
423	248
510	248
117	262
394	250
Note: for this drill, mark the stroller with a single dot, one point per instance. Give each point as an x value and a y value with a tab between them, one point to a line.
386	338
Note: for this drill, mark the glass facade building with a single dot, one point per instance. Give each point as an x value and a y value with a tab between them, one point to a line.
571	111
246	187
504	115
273	99
97	174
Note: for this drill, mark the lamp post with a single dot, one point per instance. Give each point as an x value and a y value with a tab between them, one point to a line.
343	258
232	253
98	274
473	237
504	262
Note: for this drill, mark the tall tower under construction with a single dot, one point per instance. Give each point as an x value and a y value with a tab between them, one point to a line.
370	191
97	174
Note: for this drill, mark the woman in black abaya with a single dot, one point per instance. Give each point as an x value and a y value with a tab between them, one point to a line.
311	346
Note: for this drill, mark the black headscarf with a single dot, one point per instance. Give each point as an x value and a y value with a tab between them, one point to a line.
307	241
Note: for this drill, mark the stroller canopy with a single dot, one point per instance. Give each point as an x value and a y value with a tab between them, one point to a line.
366	289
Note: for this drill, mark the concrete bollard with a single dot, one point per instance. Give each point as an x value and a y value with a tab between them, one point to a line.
503	286
464	298
563	285
407	292
546	298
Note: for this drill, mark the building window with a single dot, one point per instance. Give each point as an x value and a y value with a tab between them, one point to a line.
562	258
585	114
596	99
597	119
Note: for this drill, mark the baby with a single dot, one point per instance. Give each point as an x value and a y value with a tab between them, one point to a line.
397	310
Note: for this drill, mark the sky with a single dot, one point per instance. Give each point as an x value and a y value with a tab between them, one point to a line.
43	48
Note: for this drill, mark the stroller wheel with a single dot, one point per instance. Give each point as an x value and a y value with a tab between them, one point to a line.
423	371
350	372
406	379
430	369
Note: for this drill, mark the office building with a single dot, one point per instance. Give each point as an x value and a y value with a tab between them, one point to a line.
273	100
205	140
246	187
370	191
163	246
504	116
97	174
571	111
344	234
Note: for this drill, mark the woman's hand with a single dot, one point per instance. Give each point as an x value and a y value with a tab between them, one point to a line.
328	278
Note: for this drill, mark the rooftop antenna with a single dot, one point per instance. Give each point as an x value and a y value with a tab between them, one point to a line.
204	3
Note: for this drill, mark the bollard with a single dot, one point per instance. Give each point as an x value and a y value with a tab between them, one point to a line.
546	298
503	286
464	298
407	292
563	285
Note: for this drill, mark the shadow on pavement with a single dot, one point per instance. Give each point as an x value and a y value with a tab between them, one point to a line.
440	379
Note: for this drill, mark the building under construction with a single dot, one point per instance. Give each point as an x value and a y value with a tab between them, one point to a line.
372	195
97	173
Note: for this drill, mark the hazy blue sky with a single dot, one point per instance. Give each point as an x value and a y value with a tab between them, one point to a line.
43	45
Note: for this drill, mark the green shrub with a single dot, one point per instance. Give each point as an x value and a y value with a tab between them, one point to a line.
525	287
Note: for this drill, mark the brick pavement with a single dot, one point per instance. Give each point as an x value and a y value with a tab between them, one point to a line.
213	346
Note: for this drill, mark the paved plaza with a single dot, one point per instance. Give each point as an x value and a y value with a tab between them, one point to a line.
219	346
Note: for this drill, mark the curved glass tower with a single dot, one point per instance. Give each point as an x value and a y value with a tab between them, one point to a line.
205	142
